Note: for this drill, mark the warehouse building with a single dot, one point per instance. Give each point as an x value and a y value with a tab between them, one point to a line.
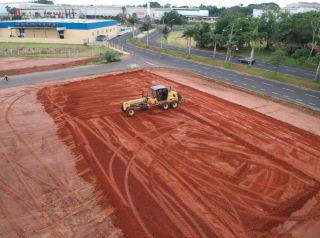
71	31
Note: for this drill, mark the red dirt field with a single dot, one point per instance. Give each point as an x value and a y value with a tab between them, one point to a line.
210	168
20	65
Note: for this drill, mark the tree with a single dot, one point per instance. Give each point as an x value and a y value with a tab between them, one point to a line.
124	14
254	35
167	5
174	18
201	34
133	20
268	24
8	8
315	24
214	40
188	33
277	58
165	33
146	26
301	55
44	2
153	5
213	10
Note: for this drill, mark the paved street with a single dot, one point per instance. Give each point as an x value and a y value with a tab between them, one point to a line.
259	64
146	58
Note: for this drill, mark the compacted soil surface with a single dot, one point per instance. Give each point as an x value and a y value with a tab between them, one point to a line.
210	168
22	65
41	192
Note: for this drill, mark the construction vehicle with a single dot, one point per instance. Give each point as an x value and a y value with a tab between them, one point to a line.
161	96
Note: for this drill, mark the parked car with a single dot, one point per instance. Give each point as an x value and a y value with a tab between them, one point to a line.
247	60
101	38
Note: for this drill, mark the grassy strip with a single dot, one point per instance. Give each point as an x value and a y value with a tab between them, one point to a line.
49	50
293	80
175	38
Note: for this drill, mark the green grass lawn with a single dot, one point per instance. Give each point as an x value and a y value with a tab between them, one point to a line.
49	50
175	38
297	81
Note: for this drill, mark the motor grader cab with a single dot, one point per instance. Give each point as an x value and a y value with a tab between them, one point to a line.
161	96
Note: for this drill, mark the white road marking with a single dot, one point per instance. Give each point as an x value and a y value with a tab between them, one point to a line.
312	96
288	89
274	93
244	84
308	74
267	84
312	104
299	100
286	96
151	64
262	89
248	79
253	86
235	81
132	66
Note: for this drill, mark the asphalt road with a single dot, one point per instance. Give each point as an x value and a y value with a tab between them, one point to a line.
259	64
146	58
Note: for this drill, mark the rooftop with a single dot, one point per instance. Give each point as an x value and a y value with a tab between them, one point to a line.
60	20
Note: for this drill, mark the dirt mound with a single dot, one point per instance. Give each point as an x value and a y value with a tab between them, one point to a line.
14	65
207	169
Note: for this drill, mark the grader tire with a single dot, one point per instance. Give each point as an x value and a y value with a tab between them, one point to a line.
174	105
130	112
122	108
165	106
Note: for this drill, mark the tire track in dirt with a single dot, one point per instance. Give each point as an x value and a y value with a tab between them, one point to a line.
224	173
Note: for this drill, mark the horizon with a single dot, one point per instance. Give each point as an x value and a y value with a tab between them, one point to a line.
178	3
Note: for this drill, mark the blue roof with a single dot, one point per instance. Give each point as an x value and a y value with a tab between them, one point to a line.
72	24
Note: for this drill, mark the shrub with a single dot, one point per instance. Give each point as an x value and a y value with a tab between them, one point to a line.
301	55
110	56
316	59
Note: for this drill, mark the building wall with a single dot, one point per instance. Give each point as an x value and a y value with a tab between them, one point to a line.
51	35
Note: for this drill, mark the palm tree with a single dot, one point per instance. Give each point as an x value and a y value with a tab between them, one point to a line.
165	33
133	20
254	38
8	8
215	39
188	33
146	26
124	14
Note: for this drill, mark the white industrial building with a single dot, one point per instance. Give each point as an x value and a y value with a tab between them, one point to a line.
293	8
33	10
302	7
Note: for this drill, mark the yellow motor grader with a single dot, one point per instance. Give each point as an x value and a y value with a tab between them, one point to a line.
161	96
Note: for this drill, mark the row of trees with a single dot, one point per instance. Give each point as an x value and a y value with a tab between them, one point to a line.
298	35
